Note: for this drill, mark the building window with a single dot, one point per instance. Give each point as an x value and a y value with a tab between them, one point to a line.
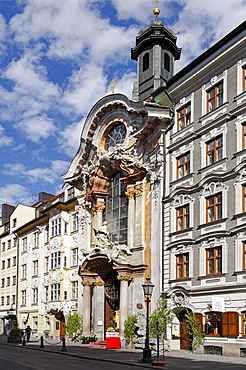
46	264
182	217
9	244
35	323
115	136
244	256
214	150
35	240
23	297
35	296
65	227
46	291
215	97
116	211
14	261
55	292
75	222
47	323
243	324
70	193
74	290
182	266
65	295
15	242
47	234
167	63
214	260
2	301
213	323
244	197
8	281
35	268
3	283
145	62
214	207
244	135
55	260
14	222
65	262
13	299
183	165
184	116
8	263
75	257
8	299
24	271
3	264
14	280
244	78
56	227
24	244
3	246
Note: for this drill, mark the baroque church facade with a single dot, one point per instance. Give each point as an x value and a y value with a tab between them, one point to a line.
156	189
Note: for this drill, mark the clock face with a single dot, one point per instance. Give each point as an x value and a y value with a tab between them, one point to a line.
115	136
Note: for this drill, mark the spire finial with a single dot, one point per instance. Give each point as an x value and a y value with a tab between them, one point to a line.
156	11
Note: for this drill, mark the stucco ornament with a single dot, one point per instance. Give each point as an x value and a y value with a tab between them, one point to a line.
103	245
180	299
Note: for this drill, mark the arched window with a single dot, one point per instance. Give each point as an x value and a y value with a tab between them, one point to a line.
116	210
115	136
145	62
167	62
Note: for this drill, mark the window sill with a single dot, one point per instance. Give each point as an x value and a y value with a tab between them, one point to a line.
211	276
180	231
221	161
243	214
184	178
211	223
214	111
180	280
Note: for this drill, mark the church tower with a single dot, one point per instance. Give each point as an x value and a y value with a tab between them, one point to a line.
155	52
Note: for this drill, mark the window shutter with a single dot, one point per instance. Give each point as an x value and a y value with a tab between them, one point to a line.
230	324
198	316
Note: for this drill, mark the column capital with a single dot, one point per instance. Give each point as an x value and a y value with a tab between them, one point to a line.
87	283
99	283
130	194
125	278
97	208
138	190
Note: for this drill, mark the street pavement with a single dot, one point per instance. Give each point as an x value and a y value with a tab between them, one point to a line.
132	358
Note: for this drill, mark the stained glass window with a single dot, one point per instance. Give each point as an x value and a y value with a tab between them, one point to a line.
115	136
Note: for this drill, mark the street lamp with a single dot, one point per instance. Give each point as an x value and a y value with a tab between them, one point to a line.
148	289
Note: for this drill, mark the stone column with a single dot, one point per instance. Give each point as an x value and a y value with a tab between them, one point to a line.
97	211
130	193
87	307
124	281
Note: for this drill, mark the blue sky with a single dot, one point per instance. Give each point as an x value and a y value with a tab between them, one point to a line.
57	58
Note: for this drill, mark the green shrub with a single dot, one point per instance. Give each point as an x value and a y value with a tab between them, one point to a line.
163	315
197	337
130	328
74	326
15	332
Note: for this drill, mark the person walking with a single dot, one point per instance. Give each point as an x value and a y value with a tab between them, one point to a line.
28	333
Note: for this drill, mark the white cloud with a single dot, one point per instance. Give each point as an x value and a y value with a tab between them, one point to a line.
36	128
14	194
5	140
69	138
42	174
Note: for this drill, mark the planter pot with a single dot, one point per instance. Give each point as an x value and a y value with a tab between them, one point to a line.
14	340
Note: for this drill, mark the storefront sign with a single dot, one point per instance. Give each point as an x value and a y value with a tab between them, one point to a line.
218	304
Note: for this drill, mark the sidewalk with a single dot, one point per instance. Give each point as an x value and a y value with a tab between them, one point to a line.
173	359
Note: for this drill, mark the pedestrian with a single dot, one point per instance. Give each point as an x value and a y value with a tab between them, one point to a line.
28	333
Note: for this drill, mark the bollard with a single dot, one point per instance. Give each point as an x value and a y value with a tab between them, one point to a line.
41	342
24	340
63	345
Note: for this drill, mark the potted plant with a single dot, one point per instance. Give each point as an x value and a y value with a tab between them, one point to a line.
15	335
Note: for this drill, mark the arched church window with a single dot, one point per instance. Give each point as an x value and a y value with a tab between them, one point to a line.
115	136
116	209
145	62
167	62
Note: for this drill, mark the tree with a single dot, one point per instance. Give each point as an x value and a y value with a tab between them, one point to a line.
74	326
130	329
163	315
197	337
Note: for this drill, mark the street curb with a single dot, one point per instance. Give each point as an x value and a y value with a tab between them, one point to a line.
140	364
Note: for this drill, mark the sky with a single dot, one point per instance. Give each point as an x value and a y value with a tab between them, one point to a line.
58	57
